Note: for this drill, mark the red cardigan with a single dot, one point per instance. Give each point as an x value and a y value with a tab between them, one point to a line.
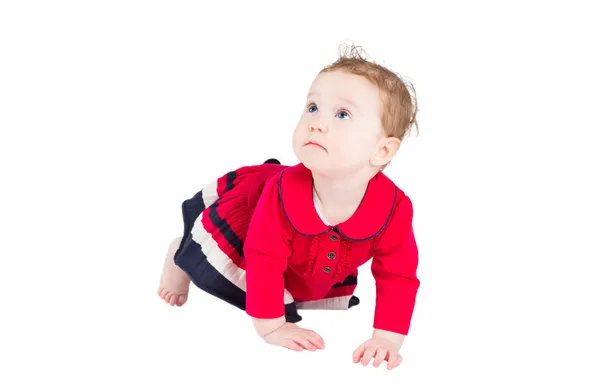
288	246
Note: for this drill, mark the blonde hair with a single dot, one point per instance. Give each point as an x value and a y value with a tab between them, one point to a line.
398	97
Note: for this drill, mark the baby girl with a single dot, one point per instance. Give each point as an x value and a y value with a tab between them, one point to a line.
272	239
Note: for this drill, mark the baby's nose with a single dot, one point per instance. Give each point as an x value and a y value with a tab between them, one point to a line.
318	127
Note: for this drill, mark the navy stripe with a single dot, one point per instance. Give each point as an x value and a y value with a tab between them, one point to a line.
193	261
191	210
231	237
230	178
349	281
291	313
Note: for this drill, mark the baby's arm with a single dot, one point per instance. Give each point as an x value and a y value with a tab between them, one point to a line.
394	268
265	302
266	249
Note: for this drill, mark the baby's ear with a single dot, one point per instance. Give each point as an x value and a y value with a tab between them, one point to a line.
387	149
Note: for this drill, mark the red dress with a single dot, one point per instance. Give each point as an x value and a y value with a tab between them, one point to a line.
254	239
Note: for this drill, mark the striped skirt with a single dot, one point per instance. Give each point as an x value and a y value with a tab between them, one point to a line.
216	221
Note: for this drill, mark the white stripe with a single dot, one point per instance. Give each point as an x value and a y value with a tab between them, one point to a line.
209	193
333	303
221	262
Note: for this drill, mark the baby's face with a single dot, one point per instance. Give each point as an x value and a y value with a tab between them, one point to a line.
342	116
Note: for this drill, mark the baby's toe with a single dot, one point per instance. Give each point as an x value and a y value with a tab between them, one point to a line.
182	299
162	292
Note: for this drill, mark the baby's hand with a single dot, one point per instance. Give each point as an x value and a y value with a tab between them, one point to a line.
379	349
291	336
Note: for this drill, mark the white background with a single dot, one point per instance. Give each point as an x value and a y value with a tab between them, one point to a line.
113	112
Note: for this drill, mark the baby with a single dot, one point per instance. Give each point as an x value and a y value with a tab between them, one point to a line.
271	239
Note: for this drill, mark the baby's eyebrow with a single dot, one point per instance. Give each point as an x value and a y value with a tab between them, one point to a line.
346	100
351	103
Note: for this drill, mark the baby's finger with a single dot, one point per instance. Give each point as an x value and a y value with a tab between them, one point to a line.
315	339
304	342
394	360
379	356
358	353
292	345
369	353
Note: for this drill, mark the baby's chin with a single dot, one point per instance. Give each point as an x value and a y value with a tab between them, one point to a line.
320	162
328	167
320	165
313	163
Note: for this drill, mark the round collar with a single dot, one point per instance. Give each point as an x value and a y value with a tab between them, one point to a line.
371	217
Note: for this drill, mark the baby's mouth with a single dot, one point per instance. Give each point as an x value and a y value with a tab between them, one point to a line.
315	144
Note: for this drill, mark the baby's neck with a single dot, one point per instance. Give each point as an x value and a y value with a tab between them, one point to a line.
338	198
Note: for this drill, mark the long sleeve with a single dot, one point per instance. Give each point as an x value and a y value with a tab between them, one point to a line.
394	269
266	249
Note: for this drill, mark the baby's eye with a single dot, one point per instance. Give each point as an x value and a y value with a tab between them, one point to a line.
343	115
312	108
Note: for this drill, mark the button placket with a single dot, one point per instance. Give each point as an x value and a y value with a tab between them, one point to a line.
334	246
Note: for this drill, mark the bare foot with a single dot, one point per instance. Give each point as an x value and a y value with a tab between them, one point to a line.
174	282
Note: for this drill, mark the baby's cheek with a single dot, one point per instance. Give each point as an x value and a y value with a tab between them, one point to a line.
353	152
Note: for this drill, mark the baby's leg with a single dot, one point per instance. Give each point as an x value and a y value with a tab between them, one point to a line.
174	282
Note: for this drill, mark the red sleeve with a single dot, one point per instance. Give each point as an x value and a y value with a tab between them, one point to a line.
266	249
394	268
